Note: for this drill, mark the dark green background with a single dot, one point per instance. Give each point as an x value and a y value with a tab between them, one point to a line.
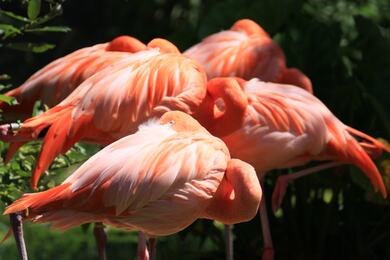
343	46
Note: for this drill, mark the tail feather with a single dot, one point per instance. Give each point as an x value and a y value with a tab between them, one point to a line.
50	206
62	133
34	204
352	152
371	139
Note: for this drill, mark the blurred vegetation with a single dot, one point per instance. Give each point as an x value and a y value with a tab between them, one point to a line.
342	45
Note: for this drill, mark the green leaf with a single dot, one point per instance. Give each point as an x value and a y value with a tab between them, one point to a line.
33	9
31	47
50	29
6	99
7	86
8	30
13	16
54	11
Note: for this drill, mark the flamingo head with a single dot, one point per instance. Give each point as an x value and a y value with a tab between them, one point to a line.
181	122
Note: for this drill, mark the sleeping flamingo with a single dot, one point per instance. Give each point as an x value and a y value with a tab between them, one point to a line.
275	126
59	78
158	180
246	51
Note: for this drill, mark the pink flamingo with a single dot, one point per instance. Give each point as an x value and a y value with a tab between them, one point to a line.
275	126
246	51
58	79
158	180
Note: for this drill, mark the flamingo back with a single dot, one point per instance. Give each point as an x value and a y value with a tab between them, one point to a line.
286	126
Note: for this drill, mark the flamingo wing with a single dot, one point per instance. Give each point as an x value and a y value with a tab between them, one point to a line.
145	84
286	126
235	54
280	118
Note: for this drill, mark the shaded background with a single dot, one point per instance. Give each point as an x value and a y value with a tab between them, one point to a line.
343	46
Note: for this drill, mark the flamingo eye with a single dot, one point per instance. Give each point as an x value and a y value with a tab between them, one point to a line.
172	122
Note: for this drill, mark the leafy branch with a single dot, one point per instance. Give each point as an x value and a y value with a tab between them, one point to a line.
13	25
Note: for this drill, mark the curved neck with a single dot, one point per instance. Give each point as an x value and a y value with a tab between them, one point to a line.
235	102
293	76
238	196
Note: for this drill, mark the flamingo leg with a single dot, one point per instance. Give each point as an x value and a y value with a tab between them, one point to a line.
229	242
142	250
284	180
152	248
16	220
268	252
101	239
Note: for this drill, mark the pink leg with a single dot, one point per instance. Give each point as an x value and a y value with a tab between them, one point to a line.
229	242
283	181
101	239
142	250
268	251
16	220
152	248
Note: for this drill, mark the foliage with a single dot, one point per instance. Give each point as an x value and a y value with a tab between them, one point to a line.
342	45
14	26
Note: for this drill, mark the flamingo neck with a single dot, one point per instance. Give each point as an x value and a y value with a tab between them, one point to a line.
230	105
293	76
238	196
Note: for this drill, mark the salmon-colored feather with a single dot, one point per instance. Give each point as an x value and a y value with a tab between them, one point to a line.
285	126
58	79
246	51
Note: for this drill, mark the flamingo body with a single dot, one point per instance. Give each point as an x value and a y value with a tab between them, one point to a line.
246	51
158	180
284	126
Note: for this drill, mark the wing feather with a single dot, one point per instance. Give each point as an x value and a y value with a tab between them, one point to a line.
127	92
235	54
283	118
143	167
58	79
